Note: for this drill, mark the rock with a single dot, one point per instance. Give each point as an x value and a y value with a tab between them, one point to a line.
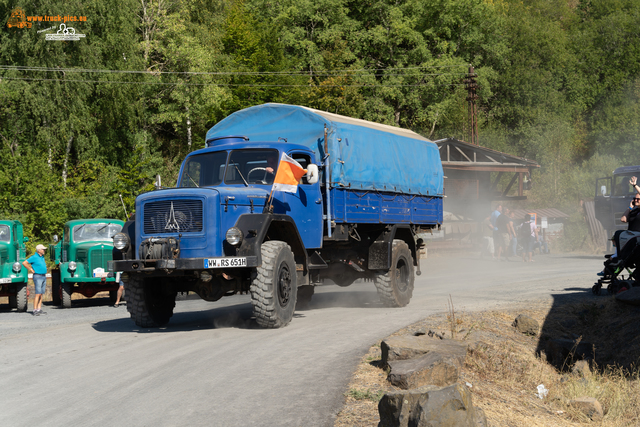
433	368
588	406
562	353
631	296
526	325
430	406
409	346
582	368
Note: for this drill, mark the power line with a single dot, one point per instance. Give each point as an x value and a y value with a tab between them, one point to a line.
248	73
226	84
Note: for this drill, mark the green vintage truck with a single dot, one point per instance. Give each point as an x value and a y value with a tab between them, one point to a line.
13	276
81	260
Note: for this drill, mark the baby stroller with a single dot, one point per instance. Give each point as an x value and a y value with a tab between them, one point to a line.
623	261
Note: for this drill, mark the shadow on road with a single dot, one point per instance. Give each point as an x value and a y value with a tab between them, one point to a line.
583	326
240	315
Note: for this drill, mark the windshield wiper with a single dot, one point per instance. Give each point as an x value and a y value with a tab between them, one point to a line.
189	176
102	228
240	173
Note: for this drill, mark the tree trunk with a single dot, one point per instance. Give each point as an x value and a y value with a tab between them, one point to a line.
66	161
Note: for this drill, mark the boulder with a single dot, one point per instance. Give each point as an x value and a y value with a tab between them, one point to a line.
526	325
429	406
409	346
433	368
631	296
588	406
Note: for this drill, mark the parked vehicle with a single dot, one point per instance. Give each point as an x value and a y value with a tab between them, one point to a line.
13	276
81	260
613	196
368	190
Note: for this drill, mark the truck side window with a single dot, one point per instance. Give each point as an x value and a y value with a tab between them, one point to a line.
4	233
621	185
304	160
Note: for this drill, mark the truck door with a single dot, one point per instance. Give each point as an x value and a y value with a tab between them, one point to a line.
602	203
305	206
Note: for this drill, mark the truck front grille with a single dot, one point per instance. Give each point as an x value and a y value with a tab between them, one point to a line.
173	216
99	256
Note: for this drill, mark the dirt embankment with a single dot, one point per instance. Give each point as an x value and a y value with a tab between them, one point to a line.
505	375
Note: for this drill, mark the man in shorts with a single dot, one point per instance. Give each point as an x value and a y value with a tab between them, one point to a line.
38	267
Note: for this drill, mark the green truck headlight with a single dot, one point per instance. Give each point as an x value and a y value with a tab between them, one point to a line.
121	241
72	266
234	236
16	267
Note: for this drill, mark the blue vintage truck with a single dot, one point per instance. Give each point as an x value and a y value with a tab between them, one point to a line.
369	189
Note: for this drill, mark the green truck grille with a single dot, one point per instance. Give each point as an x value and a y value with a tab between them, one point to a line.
98	257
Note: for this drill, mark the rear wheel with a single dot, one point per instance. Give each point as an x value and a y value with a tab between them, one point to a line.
150	302
66	295
55	287
21	297
395	287
274	289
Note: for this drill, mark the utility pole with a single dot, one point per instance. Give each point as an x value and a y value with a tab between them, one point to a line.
471	86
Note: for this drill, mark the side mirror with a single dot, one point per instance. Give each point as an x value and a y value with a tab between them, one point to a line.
312	173
603	190
26	239
55	238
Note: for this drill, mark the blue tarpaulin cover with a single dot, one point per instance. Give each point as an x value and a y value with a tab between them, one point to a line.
362	154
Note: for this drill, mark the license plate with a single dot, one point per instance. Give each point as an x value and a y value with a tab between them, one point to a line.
225	262
7	280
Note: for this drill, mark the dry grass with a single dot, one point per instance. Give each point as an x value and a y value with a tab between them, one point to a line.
504	371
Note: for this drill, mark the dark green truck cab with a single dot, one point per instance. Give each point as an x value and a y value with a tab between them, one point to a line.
81	260
13	276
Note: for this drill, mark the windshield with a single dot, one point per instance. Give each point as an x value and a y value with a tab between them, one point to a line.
4	233
244	167
203	170
89	232
621	186
252	167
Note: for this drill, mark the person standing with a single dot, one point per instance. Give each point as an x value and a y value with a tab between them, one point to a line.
120	289
503	235
38	267
496	234
529	235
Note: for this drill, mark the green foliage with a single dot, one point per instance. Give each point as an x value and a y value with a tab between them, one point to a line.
559	83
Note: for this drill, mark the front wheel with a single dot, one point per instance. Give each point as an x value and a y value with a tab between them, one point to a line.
150	302
395	287
55	288
66	295
22	297
274	289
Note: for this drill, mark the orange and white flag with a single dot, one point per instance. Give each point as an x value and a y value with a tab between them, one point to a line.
288	174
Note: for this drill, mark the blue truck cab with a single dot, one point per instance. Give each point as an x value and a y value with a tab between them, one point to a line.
224	229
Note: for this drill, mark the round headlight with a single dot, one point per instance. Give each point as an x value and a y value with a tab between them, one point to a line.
72	265
121	241
234	236
16	267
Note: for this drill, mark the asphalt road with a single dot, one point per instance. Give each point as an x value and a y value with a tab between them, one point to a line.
90	366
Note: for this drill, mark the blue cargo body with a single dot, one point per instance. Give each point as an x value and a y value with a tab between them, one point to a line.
366	192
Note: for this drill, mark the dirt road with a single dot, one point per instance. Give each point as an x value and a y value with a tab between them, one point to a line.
89	365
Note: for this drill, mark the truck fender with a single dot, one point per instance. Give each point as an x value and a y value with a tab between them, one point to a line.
380	250
256	228
129	229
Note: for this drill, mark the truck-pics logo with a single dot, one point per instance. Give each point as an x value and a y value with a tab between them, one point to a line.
65	33
18	19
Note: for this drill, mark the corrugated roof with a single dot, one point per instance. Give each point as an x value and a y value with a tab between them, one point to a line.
548	212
